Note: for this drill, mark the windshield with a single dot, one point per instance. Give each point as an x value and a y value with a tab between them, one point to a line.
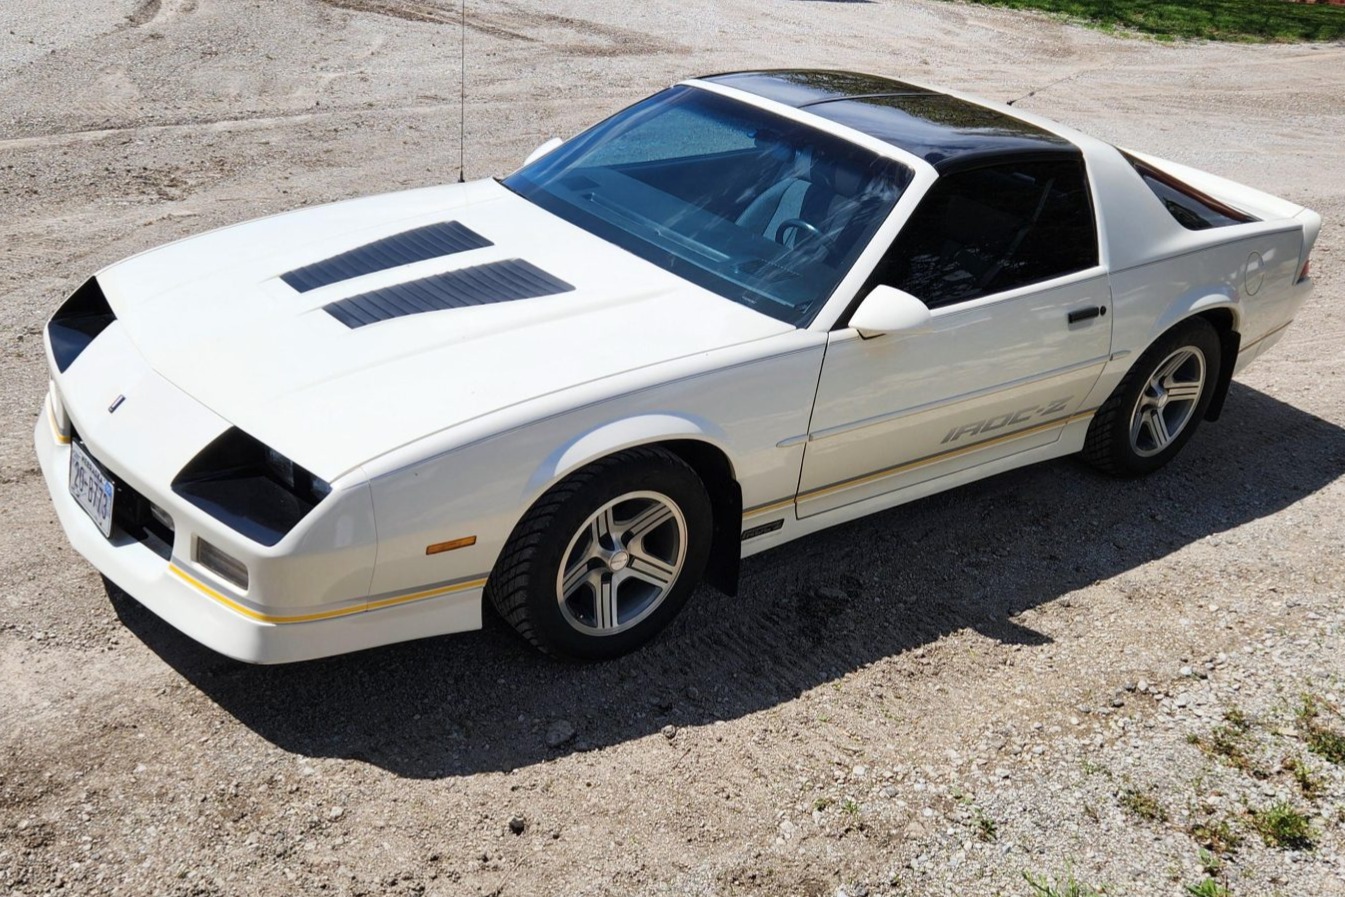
757	208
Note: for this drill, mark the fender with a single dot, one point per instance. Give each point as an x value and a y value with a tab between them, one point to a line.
725	549
1198	302
1193	303
614	436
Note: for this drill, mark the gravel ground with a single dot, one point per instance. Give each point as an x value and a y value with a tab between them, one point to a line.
1050	673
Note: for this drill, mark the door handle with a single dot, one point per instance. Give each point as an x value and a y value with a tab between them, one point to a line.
1083	314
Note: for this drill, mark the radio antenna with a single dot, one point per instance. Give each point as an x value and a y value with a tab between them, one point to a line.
462	92
1035	91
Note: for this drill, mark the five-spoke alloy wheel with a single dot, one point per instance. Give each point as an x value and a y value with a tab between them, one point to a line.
1168	401
1158	404
607	557
622	563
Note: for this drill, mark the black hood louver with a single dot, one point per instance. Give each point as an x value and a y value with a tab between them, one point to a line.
77	322
418	245
503	281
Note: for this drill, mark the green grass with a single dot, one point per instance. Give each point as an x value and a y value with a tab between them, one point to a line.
1227	742
1311	786
1280	825
1207	888
1144	805
1068	886
1231	20
1323	739
986	829
1216	836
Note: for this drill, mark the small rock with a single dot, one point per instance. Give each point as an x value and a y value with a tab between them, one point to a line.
1186	672
889	791
517	824
669	732
561	732
1118	701
336	812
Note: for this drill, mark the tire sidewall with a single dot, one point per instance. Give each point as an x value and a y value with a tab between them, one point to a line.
667	476
1195	334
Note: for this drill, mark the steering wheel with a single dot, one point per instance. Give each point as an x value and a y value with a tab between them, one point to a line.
807	229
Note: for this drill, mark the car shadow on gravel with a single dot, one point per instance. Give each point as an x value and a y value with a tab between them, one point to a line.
806	614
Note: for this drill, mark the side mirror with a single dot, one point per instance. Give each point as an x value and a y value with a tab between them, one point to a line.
542	150
889	310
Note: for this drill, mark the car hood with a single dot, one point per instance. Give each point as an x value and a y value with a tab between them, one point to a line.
212	315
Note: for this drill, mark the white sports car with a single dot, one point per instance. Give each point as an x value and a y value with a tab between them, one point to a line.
747	308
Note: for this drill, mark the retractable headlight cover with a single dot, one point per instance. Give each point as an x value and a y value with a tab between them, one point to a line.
77	322
250	487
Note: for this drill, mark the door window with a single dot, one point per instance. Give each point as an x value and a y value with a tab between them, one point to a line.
994	229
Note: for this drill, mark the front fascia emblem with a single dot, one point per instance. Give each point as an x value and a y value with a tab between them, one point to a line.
116	403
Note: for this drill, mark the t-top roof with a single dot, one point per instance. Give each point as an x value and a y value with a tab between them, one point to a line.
946	132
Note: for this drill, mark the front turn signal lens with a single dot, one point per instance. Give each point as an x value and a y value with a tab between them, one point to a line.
226	567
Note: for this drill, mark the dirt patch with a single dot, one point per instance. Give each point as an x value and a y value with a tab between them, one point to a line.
566	34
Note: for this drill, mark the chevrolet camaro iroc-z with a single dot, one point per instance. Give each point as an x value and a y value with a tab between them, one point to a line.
749	307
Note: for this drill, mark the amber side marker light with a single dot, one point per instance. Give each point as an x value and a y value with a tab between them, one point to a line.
1307	269
441	547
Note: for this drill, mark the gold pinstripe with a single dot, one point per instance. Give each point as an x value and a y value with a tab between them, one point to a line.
772	506
920	462
942	456
320	615
1263	337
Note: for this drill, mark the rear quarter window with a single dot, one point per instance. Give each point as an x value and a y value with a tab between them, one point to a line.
1190	208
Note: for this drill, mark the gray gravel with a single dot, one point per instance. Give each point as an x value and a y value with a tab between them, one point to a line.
1048	673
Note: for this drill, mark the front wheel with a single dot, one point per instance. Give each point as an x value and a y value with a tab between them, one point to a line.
607	557
1159	403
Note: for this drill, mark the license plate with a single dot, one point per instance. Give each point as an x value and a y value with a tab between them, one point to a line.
91	488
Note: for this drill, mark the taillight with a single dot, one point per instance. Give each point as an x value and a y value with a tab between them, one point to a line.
1307	267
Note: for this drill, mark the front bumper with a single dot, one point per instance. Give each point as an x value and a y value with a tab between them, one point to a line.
182	595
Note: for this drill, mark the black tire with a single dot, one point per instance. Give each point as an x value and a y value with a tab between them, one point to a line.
524	587
1112	445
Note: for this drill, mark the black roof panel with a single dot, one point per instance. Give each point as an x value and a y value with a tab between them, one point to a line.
807	86
944	131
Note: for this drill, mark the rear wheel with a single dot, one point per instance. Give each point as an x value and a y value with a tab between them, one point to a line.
607	557
1159	403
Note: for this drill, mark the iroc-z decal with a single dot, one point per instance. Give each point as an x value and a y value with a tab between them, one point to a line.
1000	421
763	529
